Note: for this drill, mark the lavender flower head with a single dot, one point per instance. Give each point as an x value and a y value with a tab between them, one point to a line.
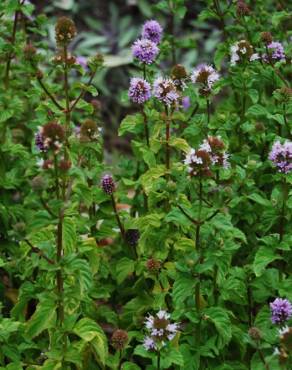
139	91
281	310
275	52
145	50
165	91
205	75
160	329
281	156
152	30
242	50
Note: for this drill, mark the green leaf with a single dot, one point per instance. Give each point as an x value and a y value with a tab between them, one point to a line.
90	331
132	123
257	110
180	144
263	257
43	318
149	177
260	200
130	366
219	317
125	267
69	235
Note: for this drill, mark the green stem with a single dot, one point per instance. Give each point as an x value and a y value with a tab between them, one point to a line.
198	248
145	126
10	54
121	227
283	210
167	138
158	360
208	111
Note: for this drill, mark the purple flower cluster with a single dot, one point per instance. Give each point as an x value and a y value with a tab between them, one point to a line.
281	156
139	91
165	91
145	49
275	52
281	310
152	30
160	329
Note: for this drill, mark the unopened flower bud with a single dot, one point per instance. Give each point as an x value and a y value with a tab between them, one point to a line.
266	37
39	74
96	61
119	339
88	130
38	183
178	72
260	127
242	9
132	236
29	51
65	30
108	184
153	265
254	333
64	165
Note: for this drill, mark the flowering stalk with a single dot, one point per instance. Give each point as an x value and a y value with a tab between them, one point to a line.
145	126
49	94
282	216
158	360
167	138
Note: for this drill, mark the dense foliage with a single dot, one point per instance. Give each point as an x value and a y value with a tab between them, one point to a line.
176	255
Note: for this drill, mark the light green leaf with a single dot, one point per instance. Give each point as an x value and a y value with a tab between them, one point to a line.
263	257
125	266
90	331
43	318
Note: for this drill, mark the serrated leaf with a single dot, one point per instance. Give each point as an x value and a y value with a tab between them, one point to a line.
125	266
90	331
43	318
263	257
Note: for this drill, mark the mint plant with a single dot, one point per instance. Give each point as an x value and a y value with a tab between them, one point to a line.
176	255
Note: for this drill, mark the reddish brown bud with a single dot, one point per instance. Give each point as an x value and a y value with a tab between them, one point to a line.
266	37
242	9
153	265
119	339
255	333
29	51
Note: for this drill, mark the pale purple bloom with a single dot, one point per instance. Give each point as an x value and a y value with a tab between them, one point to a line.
276	52
242	50
165	91
160	329
149	343
152	30
210	153
205	75
281	156
139	91
186	102
145	50
281	310
82	61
